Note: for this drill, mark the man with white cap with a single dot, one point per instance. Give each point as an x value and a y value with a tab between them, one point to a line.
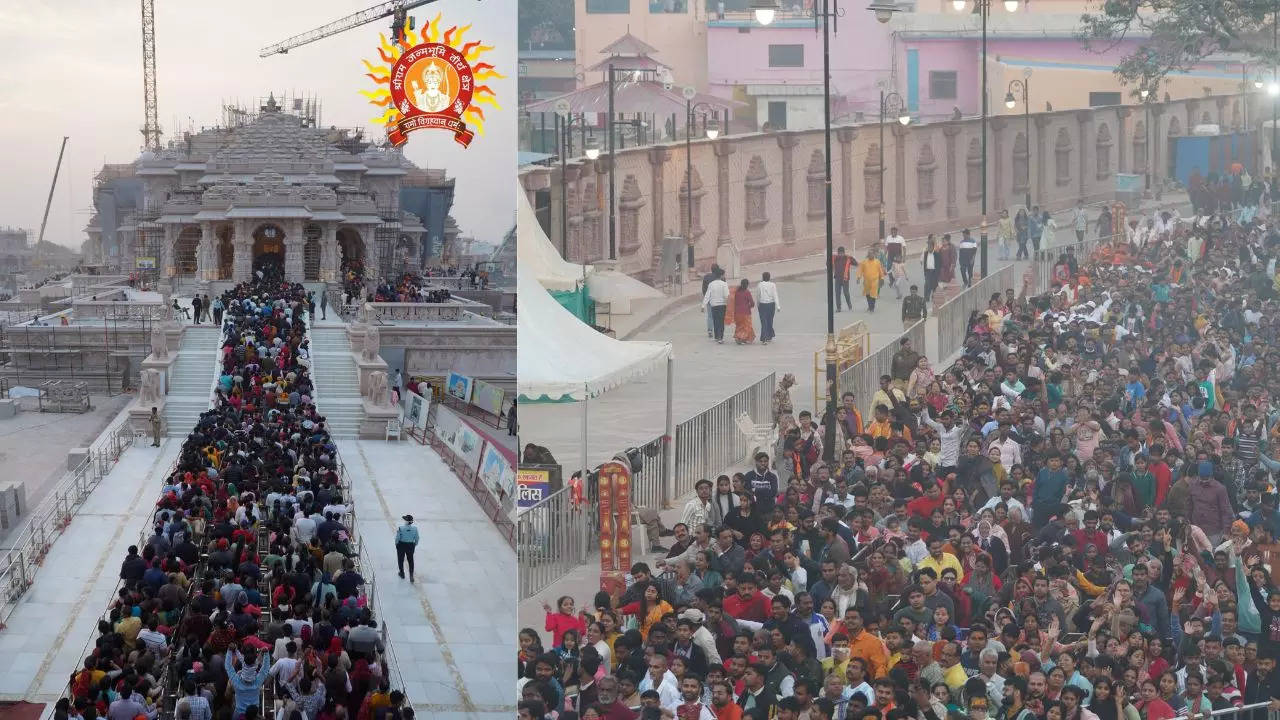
406	543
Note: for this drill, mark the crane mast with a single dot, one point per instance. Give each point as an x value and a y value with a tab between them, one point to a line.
49	202
151	122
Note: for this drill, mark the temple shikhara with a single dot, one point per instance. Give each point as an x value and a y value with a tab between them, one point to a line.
323	202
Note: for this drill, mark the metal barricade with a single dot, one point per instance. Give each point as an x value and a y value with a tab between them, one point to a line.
953	316
553	538
709	442
863	377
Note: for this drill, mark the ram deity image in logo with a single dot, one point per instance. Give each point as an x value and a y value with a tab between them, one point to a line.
430	81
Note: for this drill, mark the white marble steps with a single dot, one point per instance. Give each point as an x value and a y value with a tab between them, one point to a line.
337	381
192	380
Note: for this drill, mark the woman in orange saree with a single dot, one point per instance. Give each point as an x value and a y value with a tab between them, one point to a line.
742	302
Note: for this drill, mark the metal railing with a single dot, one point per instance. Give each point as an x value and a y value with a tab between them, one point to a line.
1254	711
710	441
554	537
19	565
953	316
863	377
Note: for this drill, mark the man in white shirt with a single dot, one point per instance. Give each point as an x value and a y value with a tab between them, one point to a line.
768	304
1081	221
895	248
715	300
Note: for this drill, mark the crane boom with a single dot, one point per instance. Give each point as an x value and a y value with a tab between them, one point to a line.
364	17
49	203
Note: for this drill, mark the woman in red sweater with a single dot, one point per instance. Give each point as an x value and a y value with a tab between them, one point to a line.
565	619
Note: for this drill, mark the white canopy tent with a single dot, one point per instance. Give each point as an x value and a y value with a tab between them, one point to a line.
539	256
555	273
561	359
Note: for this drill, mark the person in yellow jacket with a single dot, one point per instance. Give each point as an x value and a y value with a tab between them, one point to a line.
871	273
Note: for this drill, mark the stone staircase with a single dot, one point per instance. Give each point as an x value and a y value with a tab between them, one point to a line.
337	381
192	381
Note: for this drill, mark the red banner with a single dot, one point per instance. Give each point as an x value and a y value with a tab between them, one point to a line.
622	501
606	525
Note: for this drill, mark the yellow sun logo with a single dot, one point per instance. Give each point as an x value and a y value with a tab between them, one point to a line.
432	81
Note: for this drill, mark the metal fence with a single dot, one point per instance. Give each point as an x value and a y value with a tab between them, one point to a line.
953	316
554	537
19	565
710	441
863	377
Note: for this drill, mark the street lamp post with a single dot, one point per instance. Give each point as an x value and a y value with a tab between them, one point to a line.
565	122
890	100
984	10
1023	87
712	131
1146	139
613	222
826	21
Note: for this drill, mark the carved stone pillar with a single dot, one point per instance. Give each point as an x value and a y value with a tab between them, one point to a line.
294	242
1157	140
165	261
950	132
1087	150
329	252
900	175
206	253
371	270
787	141
723	149
1122	139
999	200
1221	102
242	245
1042	123
657	161
846	136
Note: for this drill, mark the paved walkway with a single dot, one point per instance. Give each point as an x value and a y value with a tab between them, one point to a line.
706	373
451	630
53	628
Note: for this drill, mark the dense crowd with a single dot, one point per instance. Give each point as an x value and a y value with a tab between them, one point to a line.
1075	522
410	288
248	589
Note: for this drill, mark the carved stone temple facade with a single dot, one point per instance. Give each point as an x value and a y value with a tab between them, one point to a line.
205	208
760	197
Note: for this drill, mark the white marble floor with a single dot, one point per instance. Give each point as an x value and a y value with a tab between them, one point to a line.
48	635
453	630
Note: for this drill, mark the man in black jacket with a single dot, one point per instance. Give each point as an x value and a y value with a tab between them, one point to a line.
133	567
1263	684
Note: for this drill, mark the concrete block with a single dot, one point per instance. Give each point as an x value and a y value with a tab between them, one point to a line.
8	408
76	456
12	501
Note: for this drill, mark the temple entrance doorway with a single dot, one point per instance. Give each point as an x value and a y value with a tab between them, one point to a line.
268	251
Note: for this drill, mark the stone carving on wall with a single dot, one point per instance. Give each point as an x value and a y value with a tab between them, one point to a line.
159	342
1062	157
1022	164
973	170
815	178
1175	127
630	200
757	186
871	178
1140	146
378	391
151	391
370	347
1103	144
925	167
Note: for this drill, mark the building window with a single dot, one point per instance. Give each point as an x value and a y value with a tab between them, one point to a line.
620	7
942	84
1100	99
668	6
786	56
777	114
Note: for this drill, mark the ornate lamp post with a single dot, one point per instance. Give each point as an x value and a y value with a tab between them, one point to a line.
889	103
713	131
1023	88
983	8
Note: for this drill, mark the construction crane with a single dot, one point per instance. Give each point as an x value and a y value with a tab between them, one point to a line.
49	202
151	121
397	10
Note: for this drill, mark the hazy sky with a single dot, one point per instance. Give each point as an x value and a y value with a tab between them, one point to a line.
74	67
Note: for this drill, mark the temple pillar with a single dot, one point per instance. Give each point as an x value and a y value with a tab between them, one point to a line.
242	246
329	252
787	141
294	240
846	136
368	237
